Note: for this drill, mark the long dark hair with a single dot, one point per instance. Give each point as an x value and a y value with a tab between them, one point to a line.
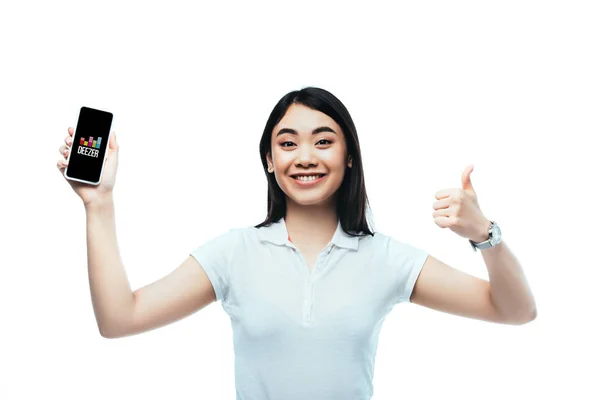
352	202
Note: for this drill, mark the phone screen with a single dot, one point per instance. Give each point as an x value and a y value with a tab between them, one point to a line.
90	143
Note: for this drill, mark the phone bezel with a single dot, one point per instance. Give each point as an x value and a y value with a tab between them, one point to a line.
105	153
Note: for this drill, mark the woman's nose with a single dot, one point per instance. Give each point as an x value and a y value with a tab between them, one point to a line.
306	155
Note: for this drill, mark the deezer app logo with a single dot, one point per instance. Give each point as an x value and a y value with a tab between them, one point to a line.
89	147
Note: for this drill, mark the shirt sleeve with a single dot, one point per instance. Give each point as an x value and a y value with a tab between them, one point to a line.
215	257
408	262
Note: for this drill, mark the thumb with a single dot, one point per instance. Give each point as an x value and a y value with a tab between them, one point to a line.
112	143
466	178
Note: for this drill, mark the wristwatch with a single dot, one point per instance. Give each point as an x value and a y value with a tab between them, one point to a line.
495	236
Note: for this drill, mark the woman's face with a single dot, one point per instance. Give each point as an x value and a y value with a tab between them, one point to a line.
296	150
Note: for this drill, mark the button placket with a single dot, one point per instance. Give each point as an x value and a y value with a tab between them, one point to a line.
307	303
307	290
307	308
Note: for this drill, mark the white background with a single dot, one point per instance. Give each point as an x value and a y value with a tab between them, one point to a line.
512	87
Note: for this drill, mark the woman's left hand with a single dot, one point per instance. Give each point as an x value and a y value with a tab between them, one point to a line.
458	210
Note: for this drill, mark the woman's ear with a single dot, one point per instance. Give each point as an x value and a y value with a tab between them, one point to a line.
350	161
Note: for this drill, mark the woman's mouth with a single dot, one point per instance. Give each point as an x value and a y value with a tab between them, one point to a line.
308	180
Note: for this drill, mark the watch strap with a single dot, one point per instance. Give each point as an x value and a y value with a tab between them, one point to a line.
486	244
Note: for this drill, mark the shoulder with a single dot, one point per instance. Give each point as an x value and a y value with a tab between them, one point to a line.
224	238
382	240
394	247
245	236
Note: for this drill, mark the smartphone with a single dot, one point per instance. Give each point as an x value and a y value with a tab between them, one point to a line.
89	147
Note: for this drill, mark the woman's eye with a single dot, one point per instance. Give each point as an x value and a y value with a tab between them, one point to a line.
322	140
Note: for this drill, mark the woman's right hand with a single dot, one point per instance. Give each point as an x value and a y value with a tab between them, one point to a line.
90	193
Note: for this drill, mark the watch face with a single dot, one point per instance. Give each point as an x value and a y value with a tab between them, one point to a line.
496	234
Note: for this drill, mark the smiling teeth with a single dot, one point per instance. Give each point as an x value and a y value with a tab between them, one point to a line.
307	178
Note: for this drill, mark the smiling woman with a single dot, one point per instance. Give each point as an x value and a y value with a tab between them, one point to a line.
308	289
310	132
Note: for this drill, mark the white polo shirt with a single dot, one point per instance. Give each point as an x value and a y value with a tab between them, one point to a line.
301	334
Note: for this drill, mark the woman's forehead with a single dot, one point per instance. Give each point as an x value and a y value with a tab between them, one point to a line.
304	120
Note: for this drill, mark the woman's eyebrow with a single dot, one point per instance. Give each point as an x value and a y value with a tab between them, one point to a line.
316	131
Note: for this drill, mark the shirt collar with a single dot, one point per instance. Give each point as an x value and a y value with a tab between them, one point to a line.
277	233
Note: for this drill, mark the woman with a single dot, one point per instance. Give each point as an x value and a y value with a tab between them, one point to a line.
308	289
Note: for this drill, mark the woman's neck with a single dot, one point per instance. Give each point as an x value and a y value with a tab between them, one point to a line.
311	225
